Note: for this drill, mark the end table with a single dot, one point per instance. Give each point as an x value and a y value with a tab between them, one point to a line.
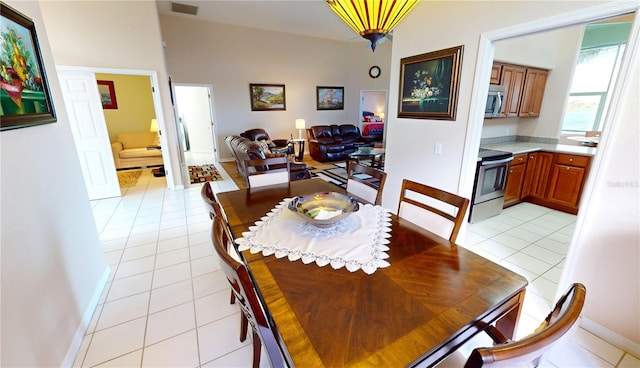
300	143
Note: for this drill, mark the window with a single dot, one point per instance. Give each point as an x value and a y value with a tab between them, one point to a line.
593	79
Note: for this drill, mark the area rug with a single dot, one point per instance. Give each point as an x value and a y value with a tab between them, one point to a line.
129	178
337	174
203	173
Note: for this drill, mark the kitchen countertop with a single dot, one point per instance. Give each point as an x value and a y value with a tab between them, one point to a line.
524	147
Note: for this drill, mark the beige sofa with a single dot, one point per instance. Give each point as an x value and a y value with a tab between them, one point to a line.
130	150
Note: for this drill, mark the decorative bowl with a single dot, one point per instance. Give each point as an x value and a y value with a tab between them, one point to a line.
323	209
366	149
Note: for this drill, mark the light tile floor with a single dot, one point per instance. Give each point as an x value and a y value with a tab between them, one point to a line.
167	302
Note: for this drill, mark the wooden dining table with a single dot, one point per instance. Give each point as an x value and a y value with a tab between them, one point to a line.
432	297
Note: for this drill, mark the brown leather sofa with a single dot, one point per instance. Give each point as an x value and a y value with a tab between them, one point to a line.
245	149
335	142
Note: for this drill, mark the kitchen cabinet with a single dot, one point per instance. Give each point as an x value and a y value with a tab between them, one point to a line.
535	82
524	89
512	78
496	69
553	180
515	180
537	174
567	179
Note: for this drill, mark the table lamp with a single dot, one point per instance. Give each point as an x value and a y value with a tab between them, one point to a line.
154	128
300	126
381	116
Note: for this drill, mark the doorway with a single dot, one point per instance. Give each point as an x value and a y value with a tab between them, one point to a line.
105	185
373	109
196	127
483	68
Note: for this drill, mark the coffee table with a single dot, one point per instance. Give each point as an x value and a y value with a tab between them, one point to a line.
376	155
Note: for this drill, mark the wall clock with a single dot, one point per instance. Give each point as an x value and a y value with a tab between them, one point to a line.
374	71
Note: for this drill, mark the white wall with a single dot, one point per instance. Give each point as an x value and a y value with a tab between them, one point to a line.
52	262
232	57
114	34
375	102
608	251
410	146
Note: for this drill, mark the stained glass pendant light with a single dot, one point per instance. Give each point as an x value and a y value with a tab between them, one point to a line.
372	19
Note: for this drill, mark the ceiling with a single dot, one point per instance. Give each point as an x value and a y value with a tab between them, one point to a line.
305	17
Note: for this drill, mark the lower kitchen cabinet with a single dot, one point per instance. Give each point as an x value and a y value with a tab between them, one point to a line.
515	179
537	174
552	180
567	179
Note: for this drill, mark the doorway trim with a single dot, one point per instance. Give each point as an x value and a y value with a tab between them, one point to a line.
486	51
157	105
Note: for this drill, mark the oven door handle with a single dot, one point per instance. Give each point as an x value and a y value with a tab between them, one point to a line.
496	162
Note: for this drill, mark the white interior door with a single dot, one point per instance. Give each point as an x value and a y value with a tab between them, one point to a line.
81	97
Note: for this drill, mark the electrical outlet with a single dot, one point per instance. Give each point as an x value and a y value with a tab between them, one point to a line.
437	148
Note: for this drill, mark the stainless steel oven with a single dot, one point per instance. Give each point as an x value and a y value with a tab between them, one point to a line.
491	177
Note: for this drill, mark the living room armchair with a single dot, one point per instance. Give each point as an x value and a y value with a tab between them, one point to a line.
275	145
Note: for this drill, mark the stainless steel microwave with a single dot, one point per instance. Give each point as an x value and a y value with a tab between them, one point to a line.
495	99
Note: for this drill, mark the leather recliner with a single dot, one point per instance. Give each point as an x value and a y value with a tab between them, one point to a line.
335	142
245	149
275	145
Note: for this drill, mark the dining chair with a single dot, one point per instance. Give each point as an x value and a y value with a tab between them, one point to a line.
359	182
434	209
252	309
528	351
268	171
210	202
215	210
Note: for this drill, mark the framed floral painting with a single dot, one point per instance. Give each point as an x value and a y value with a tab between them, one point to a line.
25	99
429	85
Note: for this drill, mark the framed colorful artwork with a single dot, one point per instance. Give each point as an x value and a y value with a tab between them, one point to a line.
107	94
429	85
267	97
330	98
25	99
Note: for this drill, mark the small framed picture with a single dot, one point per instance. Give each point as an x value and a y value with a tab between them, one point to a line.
25	99
429	85
107	94
267	97
330	98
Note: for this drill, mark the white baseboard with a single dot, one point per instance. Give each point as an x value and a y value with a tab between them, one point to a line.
611	337
72	351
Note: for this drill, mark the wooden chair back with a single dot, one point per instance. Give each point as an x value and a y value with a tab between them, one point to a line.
210	202
268	171
359	182
264	332
436	210
529	350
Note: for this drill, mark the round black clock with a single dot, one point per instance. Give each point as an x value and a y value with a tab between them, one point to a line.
374	71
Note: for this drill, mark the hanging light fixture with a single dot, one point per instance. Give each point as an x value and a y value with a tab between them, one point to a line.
372	19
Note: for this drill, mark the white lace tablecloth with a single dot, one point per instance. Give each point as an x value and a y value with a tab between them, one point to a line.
357	242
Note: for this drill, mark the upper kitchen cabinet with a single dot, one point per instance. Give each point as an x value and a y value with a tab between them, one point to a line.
535	82
524	89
